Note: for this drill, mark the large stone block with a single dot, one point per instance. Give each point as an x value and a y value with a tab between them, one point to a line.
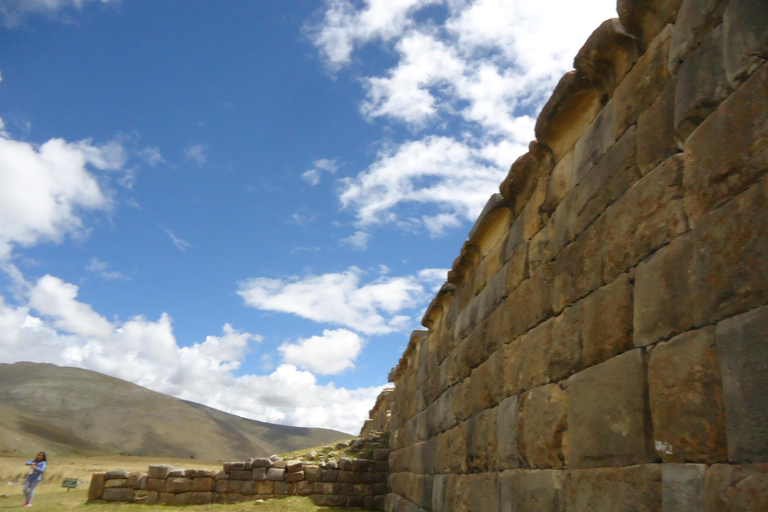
729	151
265	487
526	360
96	488
701	84
608	417
695	20
646	19
202	485
526	171
745	26
743	354
646	217
543	425
736	488
568	113
193	498
118	494
531	491
578	267
177	485
643	84
607	56
481	441
116	482
561	181
507	434
607	322
656	135
627	489
683	487
275	474
686	398
564	354
450	454
601	184
664	293
531	303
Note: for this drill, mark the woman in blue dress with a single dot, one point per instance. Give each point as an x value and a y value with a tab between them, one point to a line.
38	466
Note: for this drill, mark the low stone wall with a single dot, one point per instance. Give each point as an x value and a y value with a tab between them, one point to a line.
353	483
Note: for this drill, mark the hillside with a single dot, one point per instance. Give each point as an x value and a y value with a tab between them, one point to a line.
72	411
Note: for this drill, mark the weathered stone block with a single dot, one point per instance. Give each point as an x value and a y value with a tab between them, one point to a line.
607	56
178	484
663	293
578	267
729	151
234	466
646	19
116	482
241	475
683	487
561	180
165	498
134	479
695	20
275	474
643	83
330	475
347	477
634	488
531	491
265	487
202	485
151	498
646	217
540	247
483	492
96	488
314	473
261	463
221	486
656	135
526	360
450	455
736	488
156	484
507	455
701	85
259	473
543	425
118	494
606	181
743	354
533	219
285	489
116	474
236	486
564	354
612	430
745	27
481	442
193	498
686	399
249	488
607	322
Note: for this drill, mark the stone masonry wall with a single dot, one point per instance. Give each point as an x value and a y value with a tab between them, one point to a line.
602	341
359	483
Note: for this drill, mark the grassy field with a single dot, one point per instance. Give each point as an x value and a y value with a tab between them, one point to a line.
51	497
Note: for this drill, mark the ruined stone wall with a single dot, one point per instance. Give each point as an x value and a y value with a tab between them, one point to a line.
378	417
602	341
353	483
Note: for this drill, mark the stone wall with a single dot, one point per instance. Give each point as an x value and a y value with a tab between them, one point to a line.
359	483
378	418
602	341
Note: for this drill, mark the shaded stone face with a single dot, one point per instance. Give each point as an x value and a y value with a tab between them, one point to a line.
686	399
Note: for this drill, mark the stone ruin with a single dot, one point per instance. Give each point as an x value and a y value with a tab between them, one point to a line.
346	482
601	344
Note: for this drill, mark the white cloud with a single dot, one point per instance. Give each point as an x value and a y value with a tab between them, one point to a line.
435	170
314	175
99	267
344	26
54	327
197	154
180	243
484	72
329	354
13	12
358	240
340	298
43	189
152	156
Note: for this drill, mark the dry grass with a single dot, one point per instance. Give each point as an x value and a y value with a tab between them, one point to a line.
53	499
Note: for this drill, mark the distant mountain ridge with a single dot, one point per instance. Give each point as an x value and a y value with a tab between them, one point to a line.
66	410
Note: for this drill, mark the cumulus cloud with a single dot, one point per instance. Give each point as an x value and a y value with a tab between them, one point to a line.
13	12
329	354
358	240
44	189
374	307
52	326
482	68
435	170
314	175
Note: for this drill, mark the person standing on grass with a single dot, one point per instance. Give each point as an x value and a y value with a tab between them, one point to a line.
38	466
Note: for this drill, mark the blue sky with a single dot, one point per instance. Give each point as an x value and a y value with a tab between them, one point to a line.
249	204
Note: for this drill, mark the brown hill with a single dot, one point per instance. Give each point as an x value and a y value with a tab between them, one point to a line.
73	411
